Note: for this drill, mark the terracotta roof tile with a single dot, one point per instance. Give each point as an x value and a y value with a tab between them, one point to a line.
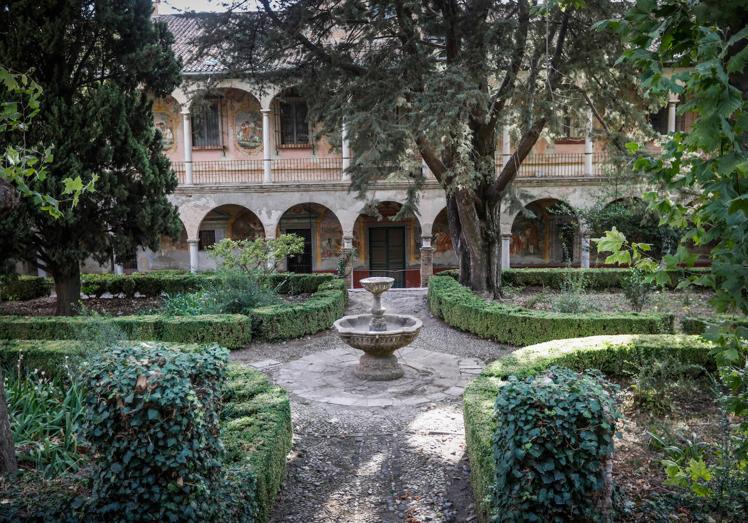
187	29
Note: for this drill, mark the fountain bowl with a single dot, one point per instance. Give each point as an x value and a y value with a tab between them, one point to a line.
378	362
377	284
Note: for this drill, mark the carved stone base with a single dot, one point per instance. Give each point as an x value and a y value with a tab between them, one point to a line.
382	368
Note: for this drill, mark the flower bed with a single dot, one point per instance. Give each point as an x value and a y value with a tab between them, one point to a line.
462	309
613	355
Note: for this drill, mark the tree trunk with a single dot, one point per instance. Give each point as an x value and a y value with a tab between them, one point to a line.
68	288
8	464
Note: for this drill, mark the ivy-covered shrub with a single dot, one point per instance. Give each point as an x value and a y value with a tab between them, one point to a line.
614	356
553	448
153	421
229	330
318	313
461	308
22	288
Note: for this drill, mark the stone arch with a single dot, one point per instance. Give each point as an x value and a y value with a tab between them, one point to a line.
545	233
323	234
394	245
444	255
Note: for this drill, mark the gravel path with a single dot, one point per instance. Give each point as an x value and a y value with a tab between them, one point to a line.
376	464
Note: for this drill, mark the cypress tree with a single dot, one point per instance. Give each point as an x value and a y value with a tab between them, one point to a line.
99	63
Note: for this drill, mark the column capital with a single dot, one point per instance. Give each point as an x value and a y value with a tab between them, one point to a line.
426	241
185	112
506	235
265	111
193	241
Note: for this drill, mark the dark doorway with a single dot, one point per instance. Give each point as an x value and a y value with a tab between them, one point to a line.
301	262
387	253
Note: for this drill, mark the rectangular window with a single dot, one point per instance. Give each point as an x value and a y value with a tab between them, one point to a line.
206	239
206	124
294	129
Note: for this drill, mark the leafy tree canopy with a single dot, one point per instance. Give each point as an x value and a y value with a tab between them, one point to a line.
437	80
96	62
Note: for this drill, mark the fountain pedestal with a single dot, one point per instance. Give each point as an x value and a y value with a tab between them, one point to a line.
378	335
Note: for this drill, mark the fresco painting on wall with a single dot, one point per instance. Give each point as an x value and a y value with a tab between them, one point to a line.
528	236
164	126
331	237
248	130
246	226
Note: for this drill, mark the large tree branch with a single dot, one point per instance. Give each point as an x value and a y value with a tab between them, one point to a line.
319	52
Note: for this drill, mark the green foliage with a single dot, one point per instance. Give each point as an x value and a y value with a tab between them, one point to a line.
21	288
658	381
97	114
462	309
615	356
256	431
230	330
638	289
318	313
152	416
692	325
292	283
45	415
552	447
229	292
572	298
256	256
23	166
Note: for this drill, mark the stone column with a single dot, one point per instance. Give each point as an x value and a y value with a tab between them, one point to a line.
588	146
506	245
193	255
427	260
506	145
348	257
118	268
187	131
267	172
584	255
39	271
671	113
345	149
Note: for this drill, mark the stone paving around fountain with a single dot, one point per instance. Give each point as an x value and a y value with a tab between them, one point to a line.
370	452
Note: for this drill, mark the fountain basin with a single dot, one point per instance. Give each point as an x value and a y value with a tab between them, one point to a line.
378	362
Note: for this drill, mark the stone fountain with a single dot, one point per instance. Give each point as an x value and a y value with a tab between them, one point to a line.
378	334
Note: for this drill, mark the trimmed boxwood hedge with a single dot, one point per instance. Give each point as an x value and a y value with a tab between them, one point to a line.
462	309
24	288
230	330
692	325
553	278
276	322
156	283
256	432
613	355
256	428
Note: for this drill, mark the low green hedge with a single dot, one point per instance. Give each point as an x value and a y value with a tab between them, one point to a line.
256	428
230	330
554	278
256	432
276	322
462	309
156	283
692	325
24	288
613	355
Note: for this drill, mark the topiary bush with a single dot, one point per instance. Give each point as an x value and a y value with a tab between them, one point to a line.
460	308
693	325
553	447
621	355
22	288
153	421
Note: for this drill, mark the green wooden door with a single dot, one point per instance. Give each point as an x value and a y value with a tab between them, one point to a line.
387	253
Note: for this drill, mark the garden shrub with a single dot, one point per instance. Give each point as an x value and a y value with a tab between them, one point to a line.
156	283
553	447
317	313
460	308
554	278
637	289
230	330
256	431
22	288
693	325
153	421
48	356
620	355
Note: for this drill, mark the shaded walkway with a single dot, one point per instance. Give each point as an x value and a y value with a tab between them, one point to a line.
376	463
